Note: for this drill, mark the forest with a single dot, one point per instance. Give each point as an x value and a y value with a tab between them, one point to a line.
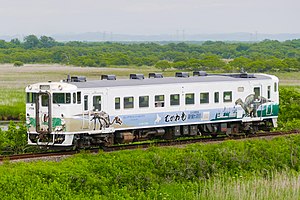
218	56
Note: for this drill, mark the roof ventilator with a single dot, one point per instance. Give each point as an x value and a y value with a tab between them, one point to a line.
246	75
182	74
78	79
155	75
136	76
199	73
74	79
108	77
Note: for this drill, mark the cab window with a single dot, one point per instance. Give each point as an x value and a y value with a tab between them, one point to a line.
30	97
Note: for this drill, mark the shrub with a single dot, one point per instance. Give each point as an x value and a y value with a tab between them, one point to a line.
18	64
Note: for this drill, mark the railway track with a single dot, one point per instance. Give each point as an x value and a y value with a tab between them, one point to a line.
148	144
36	155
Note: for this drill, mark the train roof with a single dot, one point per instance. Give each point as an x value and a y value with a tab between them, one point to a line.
170	80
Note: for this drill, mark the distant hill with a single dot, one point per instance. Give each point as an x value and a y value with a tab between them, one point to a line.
107	36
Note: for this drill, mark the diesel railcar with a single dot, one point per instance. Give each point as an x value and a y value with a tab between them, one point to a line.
78	113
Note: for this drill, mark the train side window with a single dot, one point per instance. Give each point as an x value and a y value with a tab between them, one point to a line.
217	97
189	98
74	98
128	102
256	91
174	100
204	97
269	92
86	100
275	87
78	97
68	97
45	99
117	103
96	103
159	101
144	101
227	96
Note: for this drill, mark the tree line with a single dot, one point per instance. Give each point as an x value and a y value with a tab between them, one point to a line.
267	55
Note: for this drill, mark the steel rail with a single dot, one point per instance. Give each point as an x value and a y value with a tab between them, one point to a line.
35	155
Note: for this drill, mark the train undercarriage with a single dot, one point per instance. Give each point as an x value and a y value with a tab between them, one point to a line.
86	140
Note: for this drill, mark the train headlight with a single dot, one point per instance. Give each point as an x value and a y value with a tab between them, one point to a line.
28	120
60	87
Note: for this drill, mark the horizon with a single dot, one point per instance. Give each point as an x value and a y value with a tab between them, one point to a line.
180	37
155	17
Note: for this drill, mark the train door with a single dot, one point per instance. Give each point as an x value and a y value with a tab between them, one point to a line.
258	100
92	105
86	112
43	113
269	107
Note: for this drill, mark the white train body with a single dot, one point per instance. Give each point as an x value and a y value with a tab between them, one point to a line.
92	112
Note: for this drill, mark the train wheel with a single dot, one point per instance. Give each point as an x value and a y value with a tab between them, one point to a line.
109	140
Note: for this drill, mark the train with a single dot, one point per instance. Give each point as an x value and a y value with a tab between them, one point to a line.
80	113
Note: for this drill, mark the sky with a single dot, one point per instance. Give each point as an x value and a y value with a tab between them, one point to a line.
148	17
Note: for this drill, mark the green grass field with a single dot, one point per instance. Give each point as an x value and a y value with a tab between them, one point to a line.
12	103
248	169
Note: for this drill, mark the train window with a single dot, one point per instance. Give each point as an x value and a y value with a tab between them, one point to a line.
68	97
269	92
117	103
174	100
217	97
159	101
227	96
96	103
256	93
128	102
86	100
143	101
74	98
61	98
58	98
275	87
30	97
78	97
204	97
45	99
189	98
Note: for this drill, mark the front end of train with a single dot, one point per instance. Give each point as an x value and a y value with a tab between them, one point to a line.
47	107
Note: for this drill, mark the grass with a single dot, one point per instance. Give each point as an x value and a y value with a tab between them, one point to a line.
249	169
280	185
12	104
288	78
